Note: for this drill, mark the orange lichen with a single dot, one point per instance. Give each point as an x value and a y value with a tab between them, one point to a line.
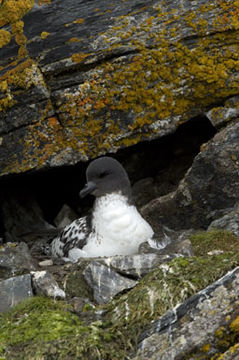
78	58
74	39
43	2
78	21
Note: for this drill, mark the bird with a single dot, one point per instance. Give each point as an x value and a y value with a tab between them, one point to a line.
113	227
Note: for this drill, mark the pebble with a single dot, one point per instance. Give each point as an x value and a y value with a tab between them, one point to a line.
48	262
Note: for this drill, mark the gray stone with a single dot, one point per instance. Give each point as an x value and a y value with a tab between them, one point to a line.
15	257
190	330
45	284
105	282
134	265
47	262
65	216
14	290
229	221
223	114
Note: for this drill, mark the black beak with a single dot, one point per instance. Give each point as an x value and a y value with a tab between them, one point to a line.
87	189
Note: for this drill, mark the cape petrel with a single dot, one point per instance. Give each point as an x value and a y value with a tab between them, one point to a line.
114	227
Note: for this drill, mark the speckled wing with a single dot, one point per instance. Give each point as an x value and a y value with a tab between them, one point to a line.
72	236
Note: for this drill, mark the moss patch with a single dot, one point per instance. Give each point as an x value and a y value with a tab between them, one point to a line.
222	240
42	328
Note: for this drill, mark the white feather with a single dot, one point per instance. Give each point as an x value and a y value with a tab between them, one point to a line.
118	228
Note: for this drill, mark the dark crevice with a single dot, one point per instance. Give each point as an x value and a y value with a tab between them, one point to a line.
165	159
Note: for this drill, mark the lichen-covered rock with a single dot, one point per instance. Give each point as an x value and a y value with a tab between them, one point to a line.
221	115
203	327
14	290
145	69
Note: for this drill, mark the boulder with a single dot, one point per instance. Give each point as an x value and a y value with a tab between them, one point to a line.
14	290
194	329
209	187
105	282
229	221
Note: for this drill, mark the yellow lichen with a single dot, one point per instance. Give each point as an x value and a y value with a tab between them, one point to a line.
234	326
44	34
206	348
78	21
12	10
78	58
5	38
21	76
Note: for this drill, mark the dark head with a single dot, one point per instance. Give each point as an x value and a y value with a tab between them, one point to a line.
105	176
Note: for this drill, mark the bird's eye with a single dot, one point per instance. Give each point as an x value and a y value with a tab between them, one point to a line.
103	174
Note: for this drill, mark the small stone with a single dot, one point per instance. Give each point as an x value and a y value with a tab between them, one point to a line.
48	262
45	284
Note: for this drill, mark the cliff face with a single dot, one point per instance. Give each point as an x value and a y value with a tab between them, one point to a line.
82	78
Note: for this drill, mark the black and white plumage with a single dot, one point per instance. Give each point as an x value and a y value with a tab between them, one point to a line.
114	227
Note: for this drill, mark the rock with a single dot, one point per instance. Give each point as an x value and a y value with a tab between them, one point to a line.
221	115
229	221
209	186
193	329
80	304
105	282
45	284
66	99
134	265
14	258
14	290
22	216
48	262
65	216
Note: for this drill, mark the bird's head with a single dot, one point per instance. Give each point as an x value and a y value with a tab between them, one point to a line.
105	176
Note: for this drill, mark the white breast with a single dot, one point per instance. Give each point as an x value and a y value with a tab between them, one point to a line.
118	228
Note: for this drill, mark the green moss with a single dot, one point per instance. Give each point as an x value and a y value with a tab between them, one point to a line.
204	242
43	328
